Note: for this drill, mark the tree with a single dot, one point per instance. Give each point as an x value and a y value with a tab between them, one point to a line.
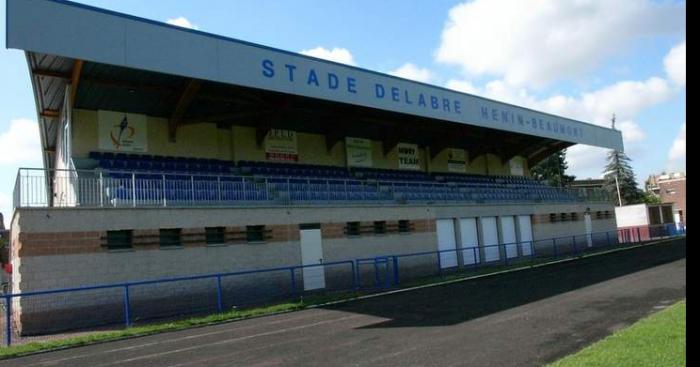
552	170
619	166
650	198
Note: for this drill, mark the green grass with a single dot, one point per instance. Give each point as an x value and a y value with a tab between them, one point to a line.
239	314
658	340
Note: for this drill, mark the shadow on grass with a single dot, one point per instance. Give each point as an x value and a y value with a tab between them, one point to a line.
462	301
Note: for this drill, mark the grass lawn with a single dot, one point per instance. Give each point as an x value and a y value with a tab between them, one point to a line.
658	340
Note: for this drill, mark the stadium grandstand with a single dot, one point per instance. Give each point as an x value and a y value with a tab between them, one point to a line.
169	151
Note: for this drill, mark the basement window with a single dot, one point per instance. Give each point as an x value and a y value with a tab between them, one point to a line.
255	234
170	237
215	235
119	240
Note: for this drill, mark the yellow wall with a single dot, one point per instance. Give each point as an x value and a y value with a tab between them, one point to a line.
201	140
205	140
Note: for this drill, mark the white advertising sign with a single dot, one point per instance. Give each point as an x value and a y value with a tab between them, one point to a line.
408	156
281	145
122	132
358	152
456	160
516	167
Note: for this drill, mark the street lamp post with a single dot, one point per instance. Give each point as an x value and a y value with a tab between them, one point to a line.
617	185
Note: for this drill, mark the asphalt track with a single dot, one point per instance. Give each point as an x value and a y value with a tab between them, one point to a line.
525	318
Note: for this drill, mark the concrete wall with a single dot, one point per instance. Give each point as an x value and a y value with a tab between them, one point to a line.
64	247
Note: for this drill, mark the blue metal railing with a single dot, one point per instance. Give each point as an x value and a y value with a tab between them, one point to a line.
385	270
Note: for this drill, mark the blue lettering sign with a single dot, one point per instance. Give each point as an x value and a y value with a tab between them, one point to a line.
421	100
434	102
312	78
332	81
268	68
379	90
395	94
291	69
351	85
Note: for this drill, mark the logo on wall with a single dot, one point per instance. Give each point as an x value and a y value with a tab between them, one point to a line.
122	132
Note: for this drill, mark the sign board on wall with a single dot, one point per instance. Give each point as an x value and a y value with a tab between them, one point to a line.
516	167
408	156
358	152
123	132
281	145
456	160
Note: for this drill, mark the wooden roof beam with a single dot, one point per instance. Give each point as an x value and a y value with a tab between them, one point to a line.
182	105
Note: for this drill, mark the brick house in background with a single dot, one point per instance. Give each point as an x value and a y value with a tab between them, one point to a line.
670	188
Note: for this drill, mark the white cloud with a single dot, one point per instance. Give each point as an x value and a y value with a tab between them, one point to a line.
182	22
19	144
413	72
538	41
674	63
336	54
462	86
676	155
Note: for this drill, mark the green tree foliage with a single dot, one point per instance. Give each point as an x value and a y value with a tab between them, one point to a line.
552	170
650	198
619	165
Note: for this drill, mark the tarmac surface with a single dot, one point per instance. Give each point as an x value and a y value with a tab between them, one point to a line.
526	318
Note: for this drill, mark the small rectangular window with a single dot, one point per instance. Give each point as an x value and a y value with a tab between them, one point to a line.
380	227
170	237
574	216
553	218
215	235
255	233
404	226
118	240
352	229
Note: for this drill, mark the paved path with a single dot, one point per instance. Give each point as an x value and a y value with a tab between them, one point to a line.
527	318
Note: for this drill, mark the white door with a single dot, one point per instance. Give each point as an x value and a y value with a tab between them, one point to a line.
489	231
447	241
525	230
469	240
508	236
312	254
589	229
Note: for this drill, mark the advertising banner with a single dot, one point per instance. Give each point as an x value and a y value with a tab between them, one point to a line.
122	132
516	167
358	152
281	145
408	156
456	160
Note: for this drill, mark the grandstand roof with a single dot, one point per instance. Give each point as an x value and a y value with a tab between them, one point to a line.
121	62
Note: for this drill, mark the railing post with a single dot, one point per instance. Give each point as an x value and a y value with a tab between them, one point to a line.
127	307
574	243
505	254
354	279
165	199
396	269
192	186
439	262
133	189
267	190
218	188
102	188
639	235
554	247
476	259
219	294
293	280
607	238
8	320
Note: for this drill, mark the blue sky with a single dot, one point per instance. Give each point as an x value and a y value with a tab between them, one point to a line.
579	59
